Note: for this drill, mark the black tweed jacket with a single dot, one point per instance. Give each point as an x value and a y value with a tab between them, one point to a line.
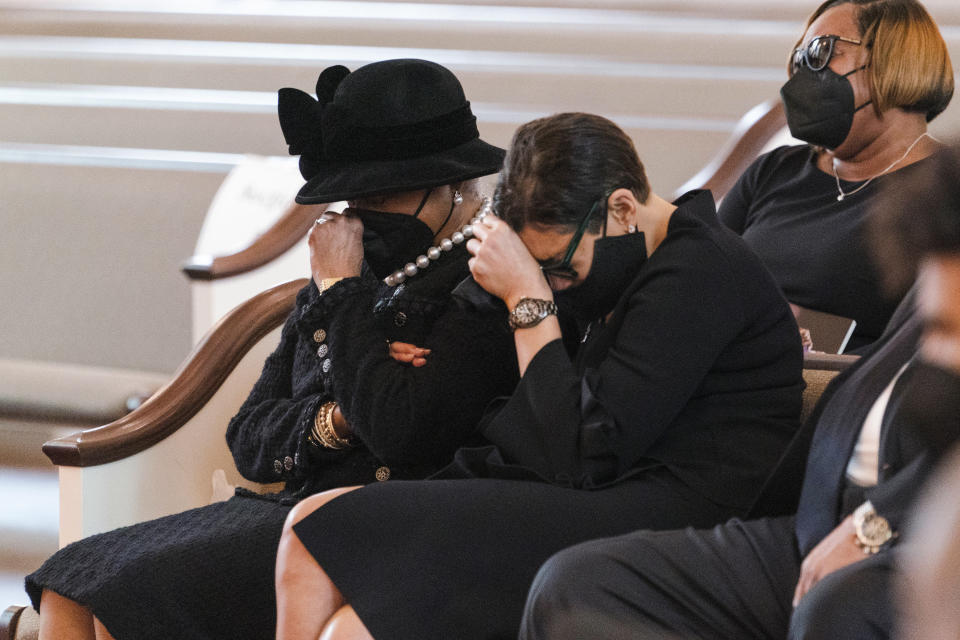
409	420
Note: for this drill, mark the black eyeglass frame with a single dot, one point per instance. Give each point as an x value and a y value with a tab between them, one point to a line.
563	269
801	55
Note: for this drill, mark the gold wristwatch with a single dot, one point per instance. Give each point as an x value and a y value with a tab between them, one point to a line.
326	283
873	530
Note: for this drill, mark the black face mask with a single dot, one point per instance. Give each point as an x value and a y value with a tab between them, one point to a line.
391	240
931	397
820	106
615	263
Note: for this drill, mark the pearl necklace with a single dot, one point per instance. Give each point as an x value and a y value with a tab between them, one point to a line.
869	180
433	253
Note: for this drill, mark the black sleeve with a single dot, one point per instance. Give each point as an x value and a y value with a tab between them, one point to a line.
415	414
271	423
734	206
589	428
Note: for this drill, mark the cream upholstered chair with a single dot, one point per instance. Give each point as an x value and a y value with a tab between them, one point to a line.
252	238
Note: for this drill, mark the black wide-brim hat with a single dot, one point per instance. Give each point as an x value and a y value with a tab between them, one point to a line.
388	127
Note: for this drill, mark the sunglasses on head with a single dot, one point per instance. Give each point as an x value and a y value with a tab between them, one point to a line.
562	270
816	54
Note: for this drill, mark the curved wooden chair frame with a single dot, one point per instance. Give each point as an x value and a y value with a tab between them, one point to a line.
754	130
274	242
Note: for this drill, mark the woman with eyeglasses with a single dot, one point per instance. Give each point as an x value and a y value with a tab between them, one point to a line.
865	79
665	403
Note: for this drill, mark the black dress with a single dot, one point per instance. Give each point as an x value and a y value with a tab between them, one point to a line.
737	579
787	210
208	572
670	414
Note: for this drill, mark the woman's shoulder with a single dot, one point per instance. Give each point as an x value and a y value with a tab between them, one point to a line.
697	241
787	157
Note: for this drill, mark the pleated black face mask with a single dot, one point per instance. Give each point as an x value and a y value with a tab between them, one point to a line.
391	240
820	106
615	263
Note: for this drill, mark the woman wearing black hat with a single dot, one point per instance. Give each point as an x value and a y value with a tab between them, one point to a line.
677	396
398	141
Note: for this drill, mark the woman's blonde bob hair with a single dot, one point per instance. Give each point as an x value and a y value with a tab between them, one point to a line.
909	66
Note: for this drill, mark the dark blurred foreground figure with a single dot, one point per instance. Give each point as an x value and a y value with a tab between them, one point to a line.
331	407
679	392
865	79
829	570
924	238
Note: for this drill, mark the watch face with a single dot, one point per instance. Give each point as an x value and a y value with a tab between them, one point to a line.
875	530
527	311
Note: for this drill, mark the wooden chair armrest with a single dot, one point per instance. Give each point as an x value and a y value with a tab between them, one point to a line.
9	620
752	132
192	385
274	242
828	361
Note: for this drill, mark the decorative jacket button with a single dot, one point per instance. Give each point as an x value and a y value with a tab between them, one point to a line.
322	350
277	467
288	463
319	335
383	473
325	365
400	318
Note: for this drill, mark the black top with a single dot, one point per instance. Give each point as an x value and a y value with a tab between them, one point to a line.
787	210
334	347
698	369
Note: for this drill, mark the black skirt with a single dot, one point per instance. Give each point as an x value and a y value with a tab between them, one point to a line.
203	574
455	558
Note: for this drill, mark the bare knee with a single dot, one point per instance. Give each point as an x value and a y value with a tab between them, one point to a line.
61	617
345	624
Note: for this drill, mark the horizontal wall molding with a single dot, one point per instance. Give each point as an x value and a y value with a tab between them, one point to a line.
181	99
118	157
319	56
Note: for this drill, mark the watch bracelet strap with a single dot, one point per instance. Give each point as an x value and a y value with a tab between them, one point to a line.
549	307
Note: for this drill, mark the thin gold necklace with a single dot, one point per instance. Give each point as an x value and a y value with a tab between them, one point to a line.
843	195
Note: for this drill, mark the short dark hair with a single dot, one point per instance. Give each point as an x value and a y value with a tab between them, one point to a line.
909	63
922	219
557	167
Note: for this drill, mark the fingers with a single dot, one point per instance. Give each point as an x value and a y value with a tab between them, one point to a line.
798	593
409	353
808	578
490	225
481	230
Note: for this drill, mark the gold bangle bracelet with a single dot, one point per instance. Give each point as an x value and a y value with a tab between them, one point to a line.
323	430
